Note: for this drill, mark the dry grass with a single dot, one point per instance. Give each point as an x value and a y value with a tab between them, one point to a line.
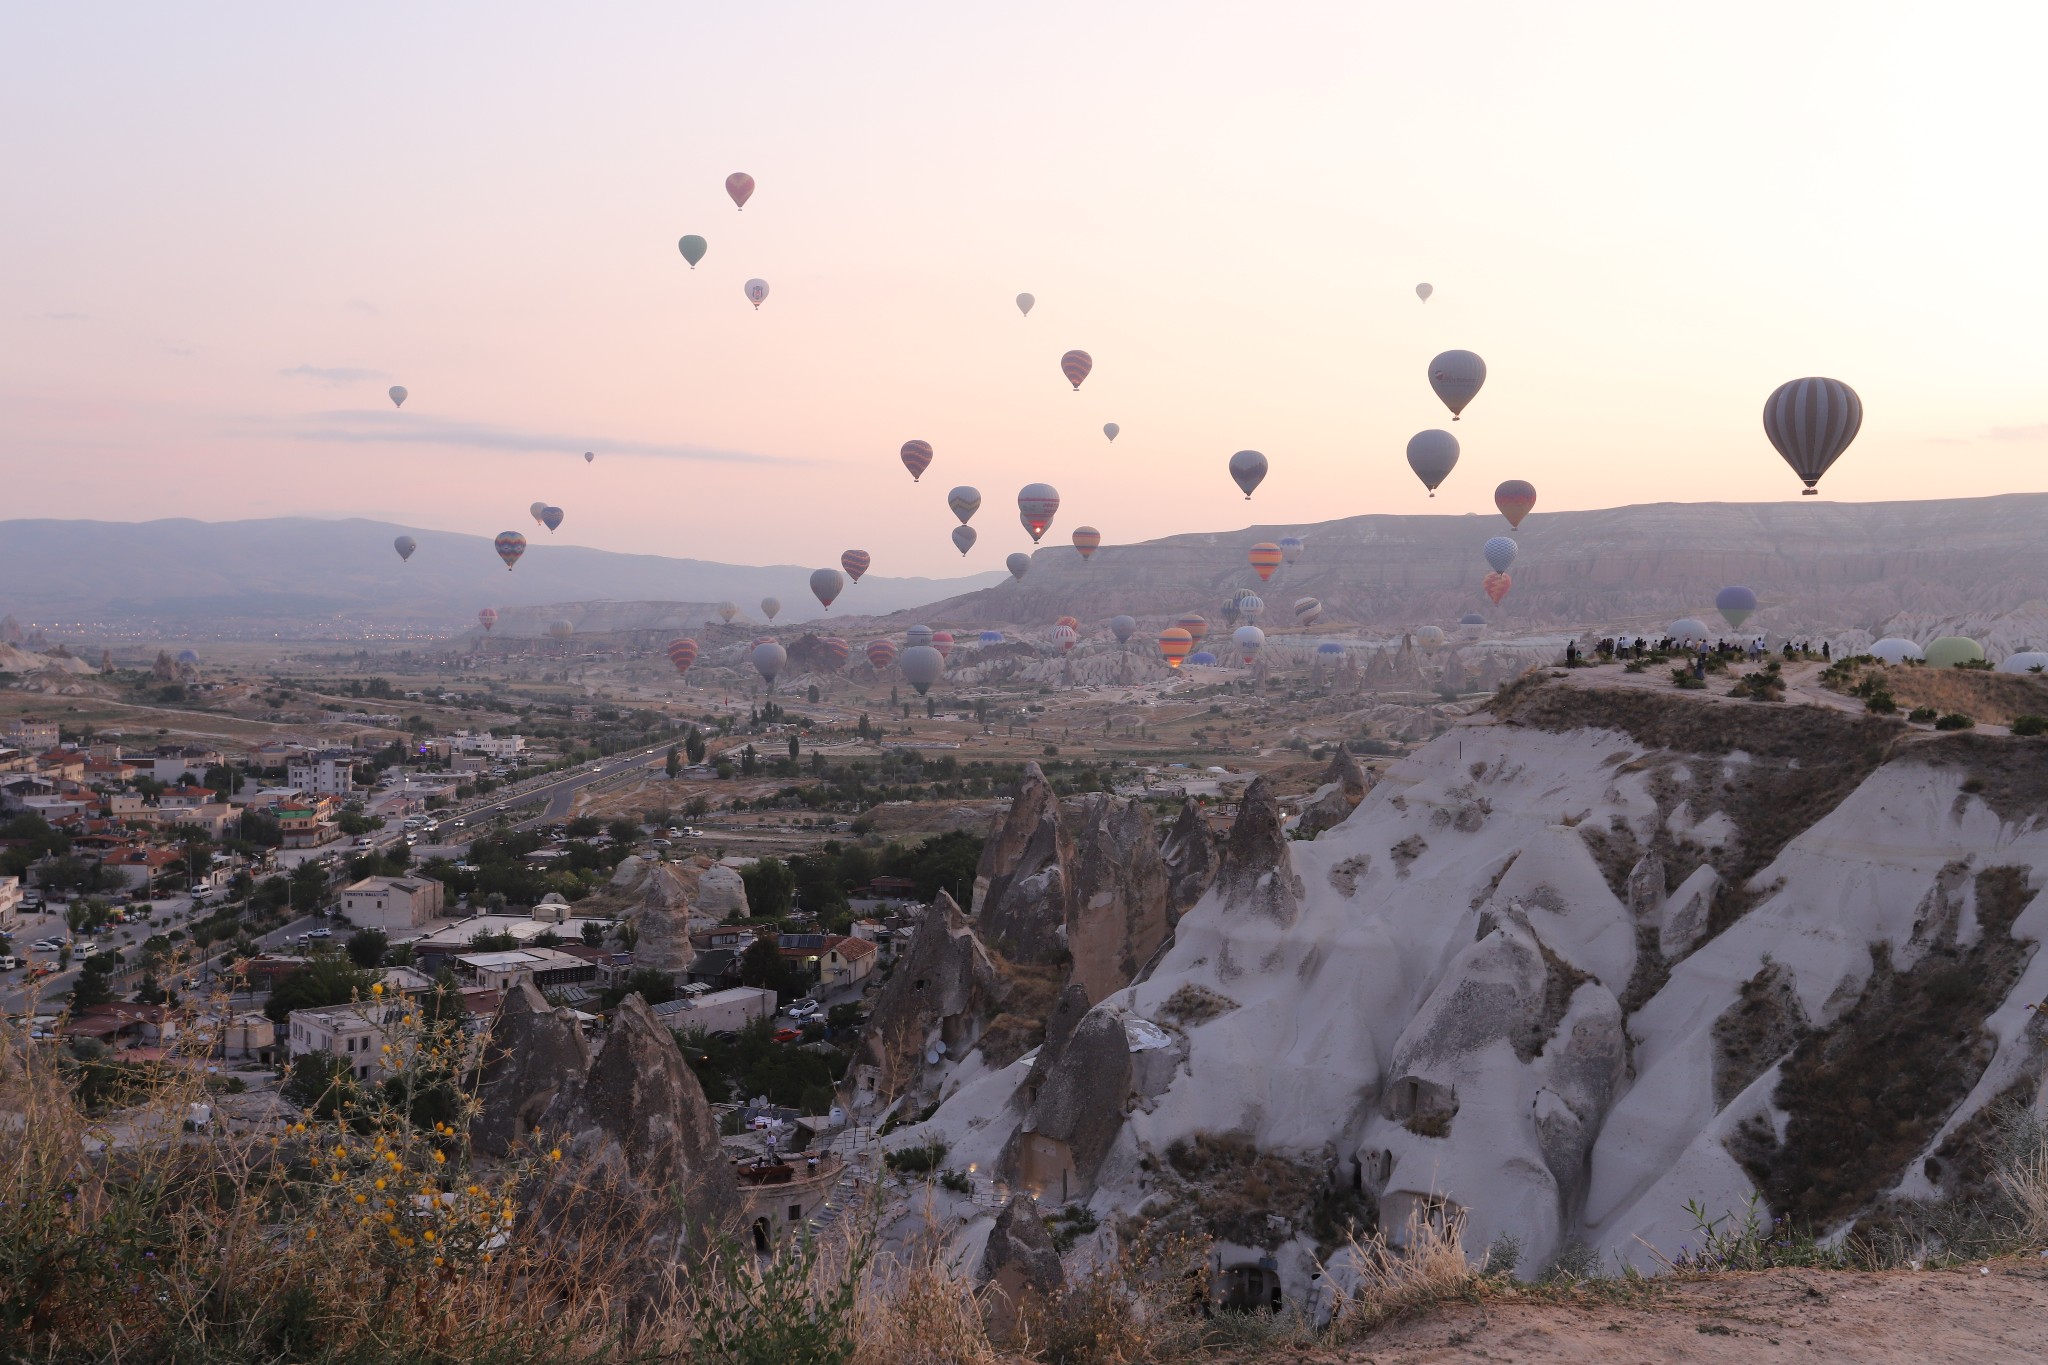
1377	1282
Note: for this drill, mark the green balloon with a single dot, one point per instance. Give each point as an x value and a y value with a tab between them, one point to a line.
693	249
1951	650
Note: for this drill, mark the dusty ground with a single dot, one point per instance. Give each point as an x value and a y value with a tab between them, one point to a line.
1887	1318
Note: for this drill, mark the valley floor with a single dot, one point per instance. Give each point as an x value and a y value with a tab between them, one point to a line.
1755	1318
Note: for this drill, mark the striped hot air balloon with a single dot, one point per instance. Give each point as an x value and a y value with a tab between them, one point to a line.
1811	422
917	457
1291	548
835	652
963	539
881	653
1196	626
942	641
487	618
1075	366
510	545
1264	557
682	653
1496	586
1307	610
1174	644
1036	505
1086	540
1065	637
1515	499
917	635
855	562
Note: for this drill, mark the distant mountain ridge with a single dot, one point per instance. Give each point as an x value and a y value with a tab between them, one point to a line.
246	574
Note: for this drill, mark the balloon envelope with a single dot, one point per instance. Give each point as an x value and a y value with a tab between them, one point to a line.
682	653
487	618
1175	643
1264	558
1423	291
405	545
835	652
1066	637
1515	498
1307	610
1456	376
1110	429
1075	366
1196	626
1202	656
768	659
826	584
534	509
1017	563
551	517
757	291
1735	605
1432	454
560	630
922	666
1329	649
1291	548
965	502
1249	605
1950	650
1249	640
769	606
1086	540
1247	469
740	186
1036	505
1496	586
881	653
589	456
1431	638
726	611
1123	627
398	395
855	562
1687	628
917	457
510	545
917	635
942	641
1894	650
1500	552
1024	302
963	538
1812	421
693	248
2026	661
991	637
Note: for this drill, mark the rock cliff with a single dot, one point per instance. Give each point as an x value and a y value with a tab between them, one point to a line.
1022	897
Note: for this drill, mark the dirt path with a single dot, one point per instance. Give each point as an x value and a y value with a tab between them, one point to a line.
1887	1318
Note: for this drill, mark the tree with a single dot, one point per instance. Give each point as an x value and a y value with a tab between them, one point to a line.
769	884
366	947
763	966
945	862
750	762
623	831
793	751
327	980
321	1082
593	934
693	744
95	982
674	764
811	694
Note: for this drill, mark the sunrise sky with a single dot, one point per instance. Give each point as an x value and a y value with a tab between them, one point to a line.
231	228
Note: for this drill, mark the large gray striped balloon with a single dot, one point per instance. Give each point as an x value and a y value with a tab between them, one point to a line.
1811	422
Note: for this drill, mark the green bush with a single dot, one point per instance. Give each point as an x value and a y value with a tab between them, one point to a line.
1954	720
2030	725
1881	704
1922	715
916	1160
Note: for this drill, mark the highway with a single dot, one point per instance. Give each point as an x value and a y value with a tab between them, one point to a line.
556	793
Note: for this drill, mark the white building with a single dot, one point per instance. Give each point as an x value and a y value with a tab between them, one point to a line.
331	772
33	734
174	766
725	1011
392	902
355	1033
544	967
495	746
10	904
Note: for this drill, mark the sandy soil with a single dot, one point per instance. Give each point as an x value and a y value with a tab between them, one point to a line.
1888	1318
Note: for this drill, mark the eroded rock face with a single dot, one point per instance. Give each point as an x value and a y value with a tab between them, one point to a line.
1067	1013
944	990
721	893
1257	873
656	896
1019	1260
1189	855
534	1050
1022	898
1344	785
1077	1112
1118	917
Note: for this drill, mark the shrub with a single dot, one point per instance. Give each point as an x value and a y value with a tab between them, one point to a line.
916	1160
1880	703
2030	725
1954	720
1684	680
1922	715
956	1182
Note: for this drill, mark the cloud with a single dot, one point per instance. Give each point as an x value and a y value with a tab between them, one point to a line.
397	428
2037	432
336	375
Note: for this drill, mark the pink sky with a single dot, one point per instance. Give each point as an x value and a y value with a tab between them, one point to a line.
231	231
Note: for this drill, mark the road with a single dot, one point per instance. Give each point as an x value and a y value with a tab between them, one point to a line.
556	794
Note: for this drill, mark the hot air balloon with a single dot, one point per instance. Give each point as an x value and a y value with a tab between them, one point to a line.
740	186
1291	548
1110	429
1203	657
917	635
1075	366
1017	563
560	630
188	656
1307	611
726	611
1247	468
405	545
535	509
768	658
881	653
551	517
1496	586
487	618
1065	637
1175	643
1952	650
1248	603
1073	621
1735	605
398	395
1086	539
942	641
769	606
1195	626
1894	650
2026	661
1123	627
1432	454
1687	628
1811	422
589	456
963	539
1036	504
991	637
1500	552
826	584
682	653
1456	377
1264	558
1515	498
922	665
757	291
1024	302
510	545
917	457
835	651
693	248
1329	649
1431	638
855	562
1249	641
965	502
1471	625
1423	291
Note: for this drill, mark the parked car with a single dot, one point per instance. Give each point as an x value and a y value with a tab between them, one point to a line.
804	1009
47	945
319	933
787	1035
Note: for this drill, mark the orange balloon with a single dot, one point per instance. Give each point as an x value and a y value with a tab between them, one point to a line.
1175	644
